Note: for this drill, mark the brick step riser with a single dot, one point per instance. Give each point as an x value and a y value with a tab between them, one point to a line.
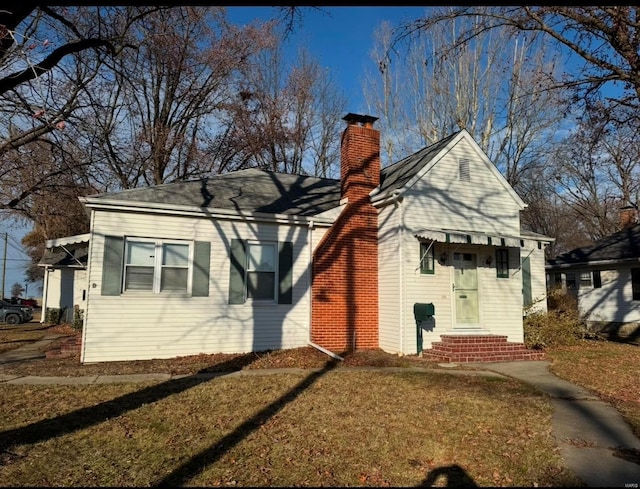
482	358
474	339
463	348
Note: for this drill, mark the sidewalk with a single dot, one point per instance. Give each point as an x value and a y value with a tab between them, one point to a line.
589	432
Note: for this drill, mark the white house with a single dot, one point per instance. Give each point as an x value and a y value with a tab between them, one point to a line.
255	260
605	278
65	277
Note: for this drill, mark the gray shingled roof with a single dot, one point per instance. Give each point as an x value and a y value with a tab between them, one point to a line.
398	174
623	245
249	190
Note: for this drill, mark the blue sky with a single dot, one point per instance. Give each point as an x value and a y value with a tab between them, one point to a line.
340	38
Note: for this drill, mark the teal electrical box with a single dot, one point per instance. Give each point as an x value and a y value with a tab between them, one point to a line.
422	312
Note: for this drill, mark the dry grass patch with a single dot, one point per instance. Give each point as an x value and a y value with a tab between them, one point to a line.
329	428
609	369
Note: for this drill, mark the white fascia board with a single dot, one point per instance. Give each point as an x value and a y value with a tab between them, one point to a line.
194	211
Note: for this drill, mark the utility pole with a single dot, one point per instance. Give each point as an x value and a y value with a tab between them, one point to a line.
4	263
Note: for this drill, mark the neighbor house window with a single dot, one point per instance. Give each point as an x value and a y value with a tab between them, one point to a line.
427	258
260	272
502	263
585	279
557	278
635	283
157	265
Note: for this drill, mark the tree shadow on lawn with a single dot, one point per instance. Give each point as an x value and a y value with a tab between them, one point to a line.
89	416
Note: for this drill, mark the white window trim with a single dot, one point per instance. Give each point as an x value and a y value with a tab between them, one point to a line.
157	267
261	302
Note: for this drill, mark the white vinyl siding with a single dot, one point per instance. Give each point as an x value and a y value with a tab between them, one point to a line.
389	284
613	301
155	326
440	200
445	202
538	277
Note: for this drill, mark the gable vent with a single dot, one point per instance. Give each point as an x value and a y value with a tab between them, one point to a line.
464	174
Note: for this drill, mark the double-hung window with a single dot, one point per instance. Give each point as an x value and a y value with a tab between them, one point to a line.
427	258
260	272
157	265
502	263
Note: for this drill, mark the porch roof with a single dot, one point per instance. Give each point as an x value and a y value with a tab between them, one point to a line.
473	237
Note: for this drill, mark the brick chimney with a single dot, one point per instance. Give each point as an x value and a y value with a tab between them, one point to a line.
359	157
345	263
628	216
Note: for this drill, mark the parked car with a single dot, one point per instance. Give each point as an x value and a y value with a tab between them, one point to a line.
24	302
15	313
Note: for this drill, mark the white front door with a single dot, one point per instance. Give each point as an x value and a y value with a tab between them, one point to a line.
465	289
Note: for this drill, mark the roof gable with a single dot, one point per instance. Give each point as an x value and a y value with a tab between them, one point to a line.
402	175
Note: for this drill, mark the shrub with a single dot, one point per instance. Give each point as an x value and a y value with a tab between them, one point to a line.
78	316
52	315
562	325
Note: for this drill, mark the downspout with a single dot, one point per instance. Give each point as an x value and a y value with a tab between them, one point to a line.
402	274
310	275
45	285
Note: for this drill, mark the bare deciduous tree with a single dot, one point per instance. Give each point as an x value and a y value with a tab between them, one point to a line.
495	89
286	119
605	40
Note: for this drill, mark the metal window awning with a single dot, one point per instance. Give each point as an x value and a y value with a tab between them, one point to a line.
471	237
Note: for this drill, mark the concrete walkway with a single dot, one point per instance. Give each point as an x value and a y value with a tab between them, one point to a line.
589	432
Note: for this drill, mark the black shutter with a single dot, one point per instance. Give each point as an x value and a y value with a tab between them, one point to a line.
237	271
201	262
112	265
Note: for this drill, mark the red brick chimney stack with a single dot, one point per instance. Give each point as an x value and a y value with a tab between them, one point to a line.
360	157
628	216
345	263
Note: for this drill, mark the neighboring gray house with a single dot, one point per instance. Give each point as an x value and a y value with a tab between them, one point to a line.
254	260
65	275
605	278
